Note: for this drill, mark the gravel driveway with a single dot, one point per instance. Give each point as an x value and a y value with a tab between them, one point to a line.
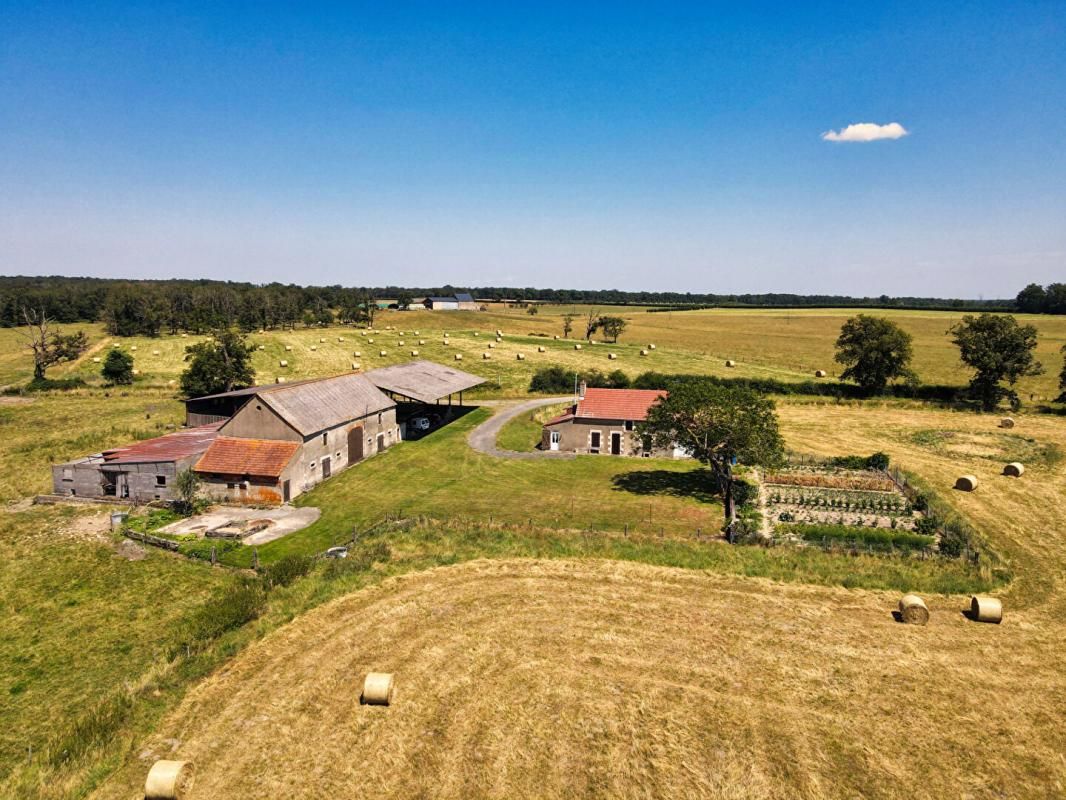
483	437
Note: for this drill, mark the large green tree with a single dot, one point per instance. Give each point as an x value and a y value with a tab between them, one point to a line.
118	368
611	326
219	365
718	425
874	351
998	349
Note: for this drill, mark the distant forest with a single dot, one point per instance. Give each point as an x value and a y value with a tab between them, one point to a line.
129	307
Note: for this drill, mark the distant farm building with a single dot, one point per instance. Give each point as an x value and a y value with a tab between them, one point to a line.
460	301
604	422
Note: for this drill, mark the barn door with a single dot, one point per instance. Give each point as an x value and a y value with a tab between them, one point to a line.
327	469
355	444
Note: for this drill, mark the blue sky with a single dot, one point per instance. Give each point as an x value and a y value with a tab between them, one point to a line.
607	145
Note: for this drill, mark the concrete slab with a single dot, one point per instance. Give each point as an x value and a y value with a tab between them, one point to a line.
283	521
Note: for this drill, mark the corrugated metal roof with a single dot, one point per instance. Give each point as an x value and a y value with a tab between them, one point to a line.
229	455
169	447
325	403
617	403
424	381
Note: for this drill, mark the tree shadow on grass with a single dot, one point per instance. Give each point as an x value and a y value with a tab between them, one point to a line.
697	484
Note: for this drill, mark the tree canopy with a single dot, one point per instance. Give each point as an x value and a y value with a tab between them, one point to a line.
219	365
874	351
717	424
998	349
611	326
118	368
49	347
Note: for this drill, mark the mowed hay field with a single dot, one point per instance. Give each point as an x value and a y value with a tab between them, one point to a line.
787	345
601	679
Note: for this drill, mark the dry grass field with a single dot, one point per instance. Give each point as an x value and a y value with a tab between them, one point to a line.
599	679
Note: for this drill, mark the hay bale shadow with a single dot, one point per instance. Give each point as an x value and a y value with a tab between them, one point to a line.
897	617
696	484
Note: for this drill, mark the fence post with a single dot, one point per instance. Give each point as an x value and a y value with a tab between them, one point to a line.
213	558
255	558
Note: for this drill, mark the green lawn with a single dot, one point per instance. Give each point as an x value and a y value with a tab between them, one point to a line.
441	478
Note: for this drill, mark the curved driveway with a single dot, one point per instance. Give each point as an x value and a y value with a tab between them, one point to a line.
483	437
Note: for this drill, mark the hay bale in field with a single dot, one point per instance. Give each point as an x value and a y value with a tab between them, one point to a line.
279	379
542	349
155	352
1006	422
416	333
421	341
476	333
369	341
1014	469
414	352
340	338
819	373
577	347
378	688
262	347
986	609
288	348
458	356
520	357
185	336
133	347
651	347
321	341
383	353
492	344
499	338
116	344
730	362
136	372
314	347
356	365
611	356
444	342
912	610
96	360
966	483
643	352
168	780
283	363
499	332
486	355
358	354
362	333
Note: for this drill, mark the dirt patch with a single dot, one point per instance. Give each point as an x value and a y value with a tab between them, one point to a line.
131	551
12	400
990	445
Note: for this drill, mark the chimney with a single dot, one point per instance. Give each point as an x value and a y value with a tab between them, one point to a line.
581	390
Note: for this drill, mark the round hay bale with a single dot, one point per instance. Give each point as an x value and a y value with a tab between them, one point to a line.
168	780
819	373
577	347
1015	469
355	365
492	344
155	352
314	347
288	348
458	356
402	333
643	352
136	372
912	610
421	341
416	333
401	342
651	347
966	483
446	334
279	379
556	337
133	347
476	333
383	353
378	688
116	344
283	363
358	354
185	336
1006	422
321	341
414	352
520	357
986	609
730	362
262	347
362	333
96	360
542	349
499	339
444	342
340	338
369	341
611	356
499	332
486	355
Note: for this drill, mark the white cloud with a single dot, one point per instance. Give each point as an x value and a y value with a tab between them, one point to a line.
866	132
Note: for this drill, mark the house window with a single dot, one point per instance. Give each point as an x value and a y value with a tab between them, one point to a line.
231	486
312	466
324	439
379	417
594	442
160	480
629	424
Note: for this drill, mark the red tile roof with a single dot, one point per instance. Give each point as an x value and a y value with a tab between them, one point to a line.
259	457
617	403
170	447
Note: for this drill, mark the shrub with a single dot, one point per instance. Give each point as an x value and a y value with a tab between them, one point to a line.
880	538
744	493
287	569
230	608
878	461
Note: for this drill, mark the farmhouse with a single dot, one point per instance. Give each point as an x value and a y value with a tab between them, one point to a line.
140	472
461	301
284	439
603	421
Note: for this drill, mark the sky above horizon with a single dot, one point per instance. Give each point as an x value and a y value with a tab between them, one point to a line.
842	148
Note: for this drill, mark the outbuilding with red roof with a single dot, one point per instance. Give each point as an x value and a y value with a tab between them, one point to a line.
604	422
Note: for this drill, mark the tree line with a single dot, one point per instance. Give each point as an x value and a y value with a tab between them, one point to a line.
149	307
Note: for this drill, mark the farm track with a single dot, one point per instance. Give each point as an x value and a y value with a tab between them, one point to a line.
483	437
550	679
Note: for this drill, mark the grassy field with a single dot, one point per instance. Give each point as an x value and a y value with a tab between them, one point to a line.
787	345
85	616
555	679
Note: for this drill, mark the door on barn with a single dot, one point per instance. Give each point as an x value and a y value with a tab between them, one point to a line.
327	467
381	442
355	444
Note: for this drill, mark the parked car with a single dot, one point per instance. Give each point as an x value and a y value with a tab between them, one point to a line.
337	552
421	423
